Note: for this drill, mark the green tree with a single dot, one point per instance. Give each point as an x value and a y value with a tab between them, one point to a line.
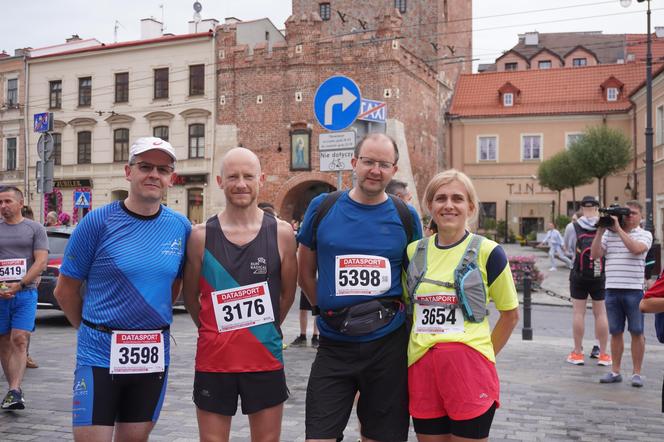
600	152
560	172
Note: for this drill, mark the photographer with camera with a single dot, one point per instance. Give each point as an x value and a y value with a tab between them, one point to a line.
623	244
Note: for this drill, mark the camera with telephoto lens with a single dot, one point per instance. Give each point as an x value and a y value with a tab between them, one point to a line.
605	219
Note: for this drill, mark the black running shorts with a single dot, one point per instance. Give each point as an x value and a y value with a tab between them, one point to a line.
476	428
304	302
378	370
218	392
580	289
101	398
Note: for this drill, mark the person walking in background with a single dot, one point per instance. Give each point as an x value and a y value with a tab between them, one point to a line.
52	219
587	278
554	240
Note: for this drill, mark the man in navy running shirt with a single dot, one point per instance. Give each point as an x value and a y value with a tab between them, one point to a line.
131	255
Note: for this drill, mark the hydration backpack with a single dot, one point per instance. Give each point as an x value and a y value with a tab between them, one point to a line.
584	265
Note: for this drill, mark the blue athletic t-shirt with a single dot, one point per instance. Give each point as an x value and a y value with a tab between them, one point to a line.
352	228
130	263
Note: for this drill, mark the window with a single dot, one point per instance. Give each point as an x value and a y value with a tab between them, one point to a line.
121	145
55	94
122	87
160	132
84	147
161	83
511	66
612	94
531	147
85	91
400	5
12	92
544	64
659	126
196	79
576	62
324	10
11	154
57	148
196	141
572	138
488	150
508	99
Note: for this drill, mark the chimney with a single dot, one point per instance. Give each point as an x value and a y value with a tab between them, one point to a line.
532	38
151	28
659	31
22	52
203	26
231	20
74	37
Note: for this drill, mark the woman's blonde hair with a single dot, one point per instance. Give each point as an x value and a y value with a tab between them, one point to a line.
447	177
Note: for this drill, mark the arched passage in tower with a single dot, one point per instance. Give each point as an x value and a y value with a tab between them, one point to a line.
297	198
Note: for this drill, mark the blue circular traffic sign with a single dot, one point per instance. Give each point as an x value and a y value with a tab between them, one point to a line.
337	103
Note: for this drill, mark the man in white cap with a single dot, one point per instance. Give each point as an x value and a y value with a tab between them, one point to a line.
131	254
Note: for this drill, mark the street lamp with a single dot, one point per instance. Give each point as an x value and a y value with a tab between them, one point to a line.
649	132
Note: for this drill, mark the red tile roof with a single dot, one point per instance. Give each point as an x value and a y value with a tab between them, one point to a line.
546	92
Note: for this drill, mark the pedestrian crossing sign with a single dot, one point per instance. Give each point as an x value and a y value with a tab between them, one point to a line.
82	200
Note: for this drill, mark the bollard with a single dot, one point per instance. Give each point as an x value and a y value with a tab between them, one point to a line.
527	332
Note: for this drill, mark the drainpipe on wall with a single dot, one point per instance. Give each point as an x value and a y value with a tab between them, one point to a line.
635	190
26	181
211	181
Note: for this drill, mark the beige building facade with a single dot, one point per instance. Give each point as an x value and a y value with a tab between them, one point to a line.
500	141
12	123
105	97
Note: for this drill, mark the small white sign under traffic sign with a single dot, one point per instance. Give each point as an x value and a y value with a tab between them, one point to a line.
336	151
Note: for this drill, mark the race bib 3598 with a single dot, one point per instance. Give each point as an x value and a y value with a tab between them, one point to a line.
364	275
137	352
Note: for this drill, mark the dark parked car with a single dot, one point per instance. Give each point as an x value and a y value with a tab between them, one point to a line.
57	241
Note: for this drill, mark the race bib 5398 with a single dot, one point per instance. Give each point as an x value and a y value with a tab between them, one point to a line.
365	275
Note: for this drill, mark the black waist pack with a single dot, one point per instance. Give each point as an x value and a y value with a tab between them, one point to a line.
362	319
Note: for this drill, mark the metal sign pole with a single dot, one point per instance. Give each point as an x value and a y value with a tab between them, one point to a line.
339	181
40	193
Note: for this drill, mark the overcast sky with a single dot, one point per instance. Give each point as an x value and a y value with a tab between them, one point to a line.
39	23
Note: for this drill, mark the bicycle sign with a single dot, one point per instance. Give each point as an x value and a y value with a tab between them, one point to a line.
336	151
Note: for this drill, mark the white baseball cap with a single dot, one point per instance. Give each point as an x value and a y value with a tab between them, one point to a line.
144	144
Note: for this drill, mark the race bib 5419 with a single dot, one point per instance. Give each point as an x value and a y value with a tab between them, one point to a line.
13	269
365	275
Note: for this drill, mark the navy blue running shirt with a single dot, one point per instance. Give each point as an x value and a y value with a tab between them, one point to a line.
129	262
353	228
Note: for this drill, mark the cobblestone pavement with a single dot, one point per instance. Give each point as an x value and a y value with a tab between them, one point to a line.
543	398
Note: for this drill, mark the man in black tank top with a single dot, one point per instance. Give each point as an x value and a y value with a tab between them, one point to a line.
239	283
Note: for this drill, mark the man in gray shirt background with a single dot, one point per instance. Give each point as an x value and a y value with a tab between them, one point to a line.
23	257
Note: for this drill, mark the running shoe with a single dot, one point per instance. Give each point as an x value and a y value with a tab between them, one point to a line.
594	353
637	380
314	341
13	400
575	358
604	360
30	363
300	341
610	378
